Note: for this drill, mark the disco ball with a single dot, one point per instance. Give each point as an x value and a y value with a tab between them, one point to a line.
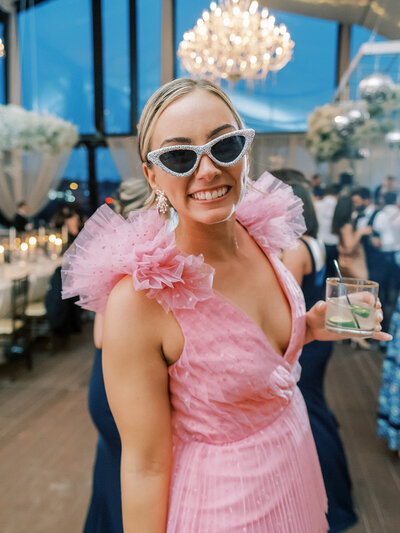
376	88
357	117
343	125
393	139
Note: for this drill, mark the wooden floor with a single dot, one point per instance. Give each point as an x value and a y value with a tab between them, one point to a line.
47	441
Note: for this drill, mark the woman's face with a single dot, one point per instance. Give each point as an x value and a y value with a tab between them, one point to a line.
196	119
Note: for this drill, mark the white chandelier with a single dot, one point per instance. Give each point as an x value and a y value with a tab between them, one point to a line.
235	40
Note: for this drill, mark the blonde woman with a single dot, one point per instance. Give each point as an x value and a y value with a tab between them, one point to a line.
202	330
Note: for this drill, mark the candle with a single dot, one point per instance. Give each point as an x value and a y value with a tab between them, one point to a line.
12	234
58	244
24	251
32	241
42	235
1	254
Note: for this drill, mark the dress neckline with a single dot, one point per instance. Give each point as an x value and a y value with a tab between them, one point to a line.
239	311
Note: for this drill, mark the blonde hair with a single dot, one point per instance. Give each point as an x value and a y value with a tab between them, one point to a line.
160	100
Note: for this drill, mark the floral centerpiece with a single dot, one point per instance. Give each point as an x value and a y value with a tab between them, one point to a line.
31	131
340	130
34	151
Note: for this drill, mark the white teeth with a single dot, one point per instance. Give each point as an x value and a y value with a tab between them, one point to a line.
210	195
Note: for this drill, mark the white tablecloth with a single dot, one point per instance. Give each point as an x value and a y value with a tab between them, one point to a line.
39	274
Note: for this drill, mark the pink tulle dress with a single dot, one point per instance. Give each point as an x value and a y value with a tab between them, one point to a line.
244	455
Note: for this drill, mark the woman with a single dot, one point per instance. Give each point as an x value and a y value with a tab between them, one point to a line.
307	264
202	330
351	252
105	512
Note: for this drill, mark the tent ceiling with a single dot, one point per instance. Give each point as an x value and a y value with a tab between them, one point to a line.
380	15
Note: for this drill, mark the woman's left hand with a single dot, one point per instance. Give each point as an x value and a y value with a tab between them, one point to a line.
315	326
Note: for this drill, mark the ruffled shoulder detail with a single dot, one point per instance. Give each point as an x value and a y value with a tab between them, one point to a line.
272	214
110	247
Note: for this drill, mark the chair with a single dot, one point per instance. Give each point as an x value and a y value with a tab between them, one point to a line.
38	322
13	330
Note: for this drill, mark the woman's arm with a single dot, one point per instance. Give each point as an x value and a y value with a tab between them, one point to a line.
351	238
98	330
136	381
298	261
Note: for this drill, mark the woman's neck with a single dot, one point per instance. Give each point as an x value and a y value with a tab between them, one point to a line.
215	241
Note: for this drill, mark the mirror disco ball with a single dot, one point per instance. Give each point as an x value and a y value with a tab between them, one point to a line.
376	88
343	125
393	139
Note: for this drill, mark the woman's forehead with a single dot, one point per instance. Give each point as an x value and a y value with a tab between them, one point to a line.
196	112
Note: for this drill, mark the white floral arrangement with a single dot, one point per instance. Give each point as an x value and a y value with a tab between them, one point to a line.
31	131
332	135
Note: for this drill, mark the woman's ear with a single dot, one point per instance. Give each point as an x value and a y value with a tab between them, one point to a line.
149	174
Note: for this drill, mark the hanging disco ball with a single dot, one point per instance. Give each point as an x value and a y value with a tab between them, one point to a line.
343	125
357	117
393	139
376	88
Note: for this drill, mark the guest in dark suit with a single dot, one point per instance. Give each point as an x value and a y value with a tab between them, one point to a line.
20	219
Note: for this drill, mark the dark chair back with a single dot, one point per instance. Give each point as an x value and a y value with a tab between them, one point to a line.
19	298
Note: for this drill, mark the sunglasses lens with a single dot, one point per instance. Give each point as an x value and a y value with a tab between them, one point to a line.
227	150
179	161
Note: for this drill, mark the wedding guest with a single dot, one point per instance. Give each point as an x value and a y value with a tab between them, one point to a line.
20	220
105	510
200	367
325	209
317	188
378	245
389	184
307	264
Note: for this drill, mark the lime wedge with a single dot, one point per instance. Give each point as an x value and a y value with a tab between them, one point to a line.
363	312
338	321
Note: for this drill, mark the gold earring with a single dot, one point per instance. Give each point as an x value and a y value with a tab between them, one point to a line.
162	202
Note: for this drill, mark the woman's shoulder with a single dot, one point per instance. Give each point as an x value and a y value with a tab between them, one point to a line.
272	214
140	249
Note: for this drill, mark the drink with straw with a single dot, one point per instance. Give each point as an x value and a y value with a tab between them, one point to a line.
351	306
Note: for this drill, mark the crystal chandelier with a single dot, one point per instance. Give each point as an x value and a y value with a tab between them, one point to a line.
235	40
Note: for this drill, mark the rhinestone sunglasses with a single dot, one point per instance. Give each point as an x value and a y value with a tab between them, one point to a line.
182	160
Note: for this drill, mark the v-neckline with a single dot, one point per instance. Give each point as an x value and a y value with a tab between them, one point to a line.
243	314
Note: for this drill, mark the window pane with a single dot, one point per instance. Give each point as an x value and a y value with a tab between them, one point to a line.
116	51
55	41
108	178
148	22
73	188
2	69
283	101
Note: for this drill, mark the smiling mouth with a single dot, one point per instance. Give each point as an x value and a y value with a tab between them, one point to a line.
211	195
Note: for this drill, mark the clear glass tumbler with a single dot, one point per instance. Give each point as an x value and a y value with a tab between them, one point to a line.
351	306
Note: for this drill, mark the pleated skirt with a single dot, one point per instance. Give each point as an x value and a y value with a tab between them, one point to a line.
268	482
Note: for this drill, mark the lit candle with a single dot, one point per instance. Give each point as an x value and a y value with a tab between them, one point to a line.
1	254
32	246
24	251
58	244
12	234
42	235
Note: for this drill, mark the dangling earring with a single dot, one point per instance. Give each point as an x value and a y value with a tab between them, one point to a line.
162	202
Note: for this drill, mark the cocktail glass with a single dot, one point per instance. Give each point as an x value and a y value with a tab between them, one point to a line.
351	306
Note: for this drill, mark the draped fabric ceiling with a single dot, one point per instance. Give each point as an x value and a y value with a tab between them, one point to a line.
383	16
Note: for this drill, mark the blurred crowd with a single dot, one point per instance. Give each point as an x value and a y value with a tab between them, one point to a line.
360	228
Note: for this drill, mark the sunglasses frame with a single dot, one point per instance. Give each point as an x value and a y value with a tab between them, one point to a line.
154	155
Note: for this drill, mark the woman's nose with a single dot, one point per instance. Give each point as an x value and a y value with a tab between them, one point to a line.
207	169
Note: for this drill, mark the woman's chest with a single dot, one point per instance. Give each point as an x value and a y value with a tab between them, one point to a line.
258	293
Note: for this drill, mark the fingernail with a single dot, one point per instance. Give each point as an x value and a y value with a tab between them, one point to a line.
320	304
